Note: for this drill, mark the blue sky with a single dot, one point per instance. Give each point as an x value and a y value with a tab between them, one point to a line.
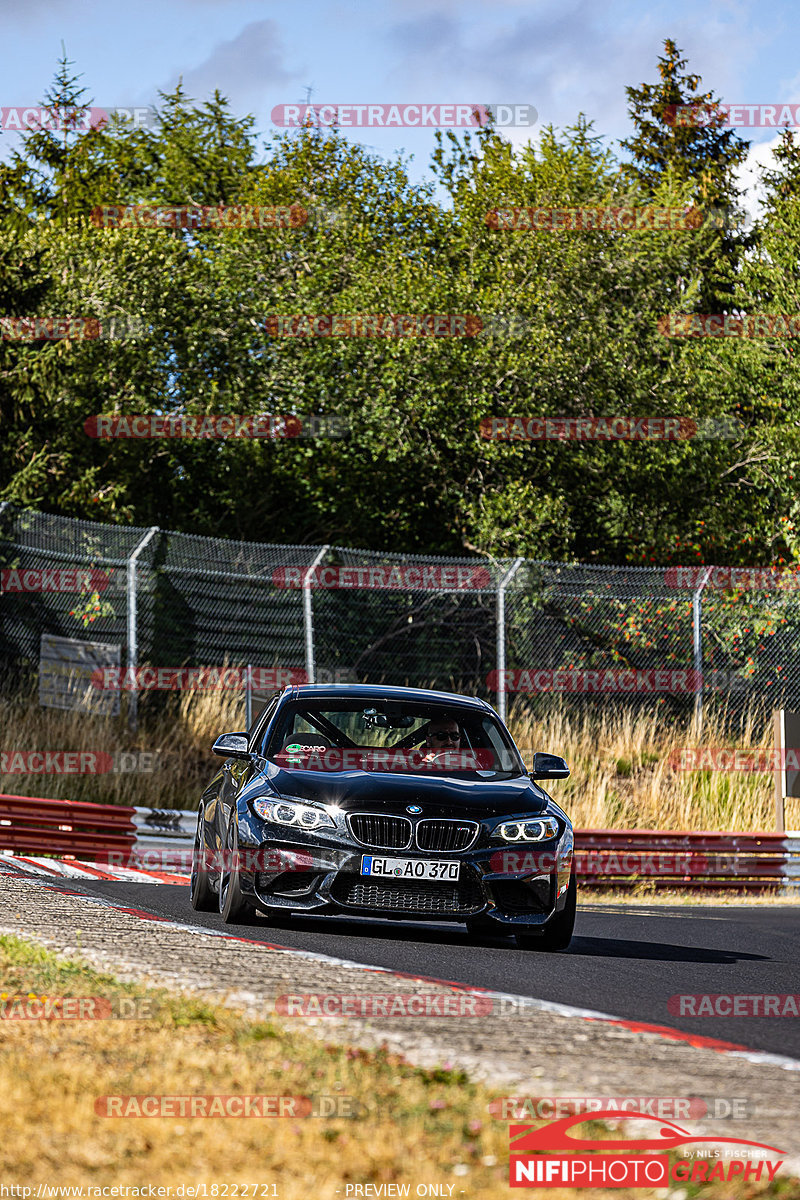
561	58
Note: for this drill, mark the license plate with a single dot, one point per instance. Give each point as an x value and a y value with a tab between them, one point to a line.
408	868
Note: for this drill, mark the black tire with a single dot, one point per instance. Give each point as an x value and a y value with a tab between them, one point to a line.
233	907
201	897
558	933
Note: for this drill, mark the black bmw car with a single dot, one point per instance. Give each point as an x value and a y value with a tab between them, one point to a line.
386	802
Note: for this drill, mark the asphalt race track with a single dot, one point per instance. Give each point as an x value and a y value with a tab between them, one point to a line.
623	961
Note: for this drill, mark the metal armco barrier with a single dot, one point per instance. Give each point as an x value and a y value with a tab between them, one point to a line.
161	830
34	825
171	823
703	859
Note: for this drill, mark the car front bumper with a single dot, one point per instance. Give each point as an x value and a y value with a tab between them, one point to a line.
502	887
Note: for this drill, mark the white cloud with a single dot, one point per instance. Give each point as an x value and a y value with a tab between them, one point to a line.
562	59
243	68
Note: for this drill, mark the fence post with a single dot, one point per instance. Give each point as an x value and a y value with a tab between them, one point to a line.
248	696
697	646
308	616
133	640
501	637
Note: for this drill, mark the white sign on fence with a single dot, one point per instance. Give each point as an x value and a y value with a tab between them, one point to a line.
66	666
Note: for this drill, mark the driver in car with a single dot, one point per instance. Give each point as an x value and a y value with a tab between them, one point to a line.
443	734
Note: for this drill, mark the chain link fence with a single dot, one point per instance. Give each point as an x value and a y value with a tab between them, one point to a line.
675	637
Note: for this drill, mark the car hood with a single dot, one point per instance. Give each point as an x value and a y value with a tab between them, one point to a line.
389	792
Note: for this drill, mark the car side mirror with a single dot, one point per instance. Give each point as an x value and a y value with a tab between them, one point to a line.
549	766
231	745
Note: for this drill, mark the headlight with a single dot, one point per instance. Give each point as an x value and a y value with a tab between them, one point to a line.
527	831
290	812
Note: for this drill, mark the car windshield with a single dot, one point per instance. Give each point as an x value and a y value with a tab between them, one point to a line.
406	737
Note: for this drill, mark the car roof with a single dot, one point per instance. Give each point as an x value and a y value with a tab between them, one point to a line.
374	691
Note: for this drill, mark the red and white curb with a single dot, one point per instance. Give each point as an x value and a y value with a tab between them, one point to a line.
72	869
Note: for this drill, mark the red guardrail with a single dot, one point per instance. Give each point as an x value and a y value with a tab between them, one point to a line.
34	825
686	860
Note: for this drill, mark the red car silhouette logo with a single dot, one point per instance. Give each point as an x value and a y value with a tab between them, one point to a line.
526	1138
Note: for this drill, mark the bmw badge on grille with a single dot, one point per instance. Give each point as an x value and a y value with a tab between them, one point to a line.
414	808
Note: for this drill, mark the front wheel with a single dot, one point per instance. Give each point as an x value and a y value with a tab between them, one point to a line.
233	907
201	896
558	933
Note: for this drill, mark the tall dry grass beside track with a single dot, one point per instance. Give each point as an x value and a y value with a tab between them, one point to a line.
624	774
622	762
165	764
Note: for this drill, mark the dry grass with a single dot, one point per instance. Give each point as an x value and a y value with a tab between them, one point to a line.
51	1073
622	775
418	1126
175	734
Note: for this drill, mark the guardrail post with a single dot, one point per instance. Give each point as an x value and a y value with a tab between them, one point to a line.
308	617
501	637
697	647
133	643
